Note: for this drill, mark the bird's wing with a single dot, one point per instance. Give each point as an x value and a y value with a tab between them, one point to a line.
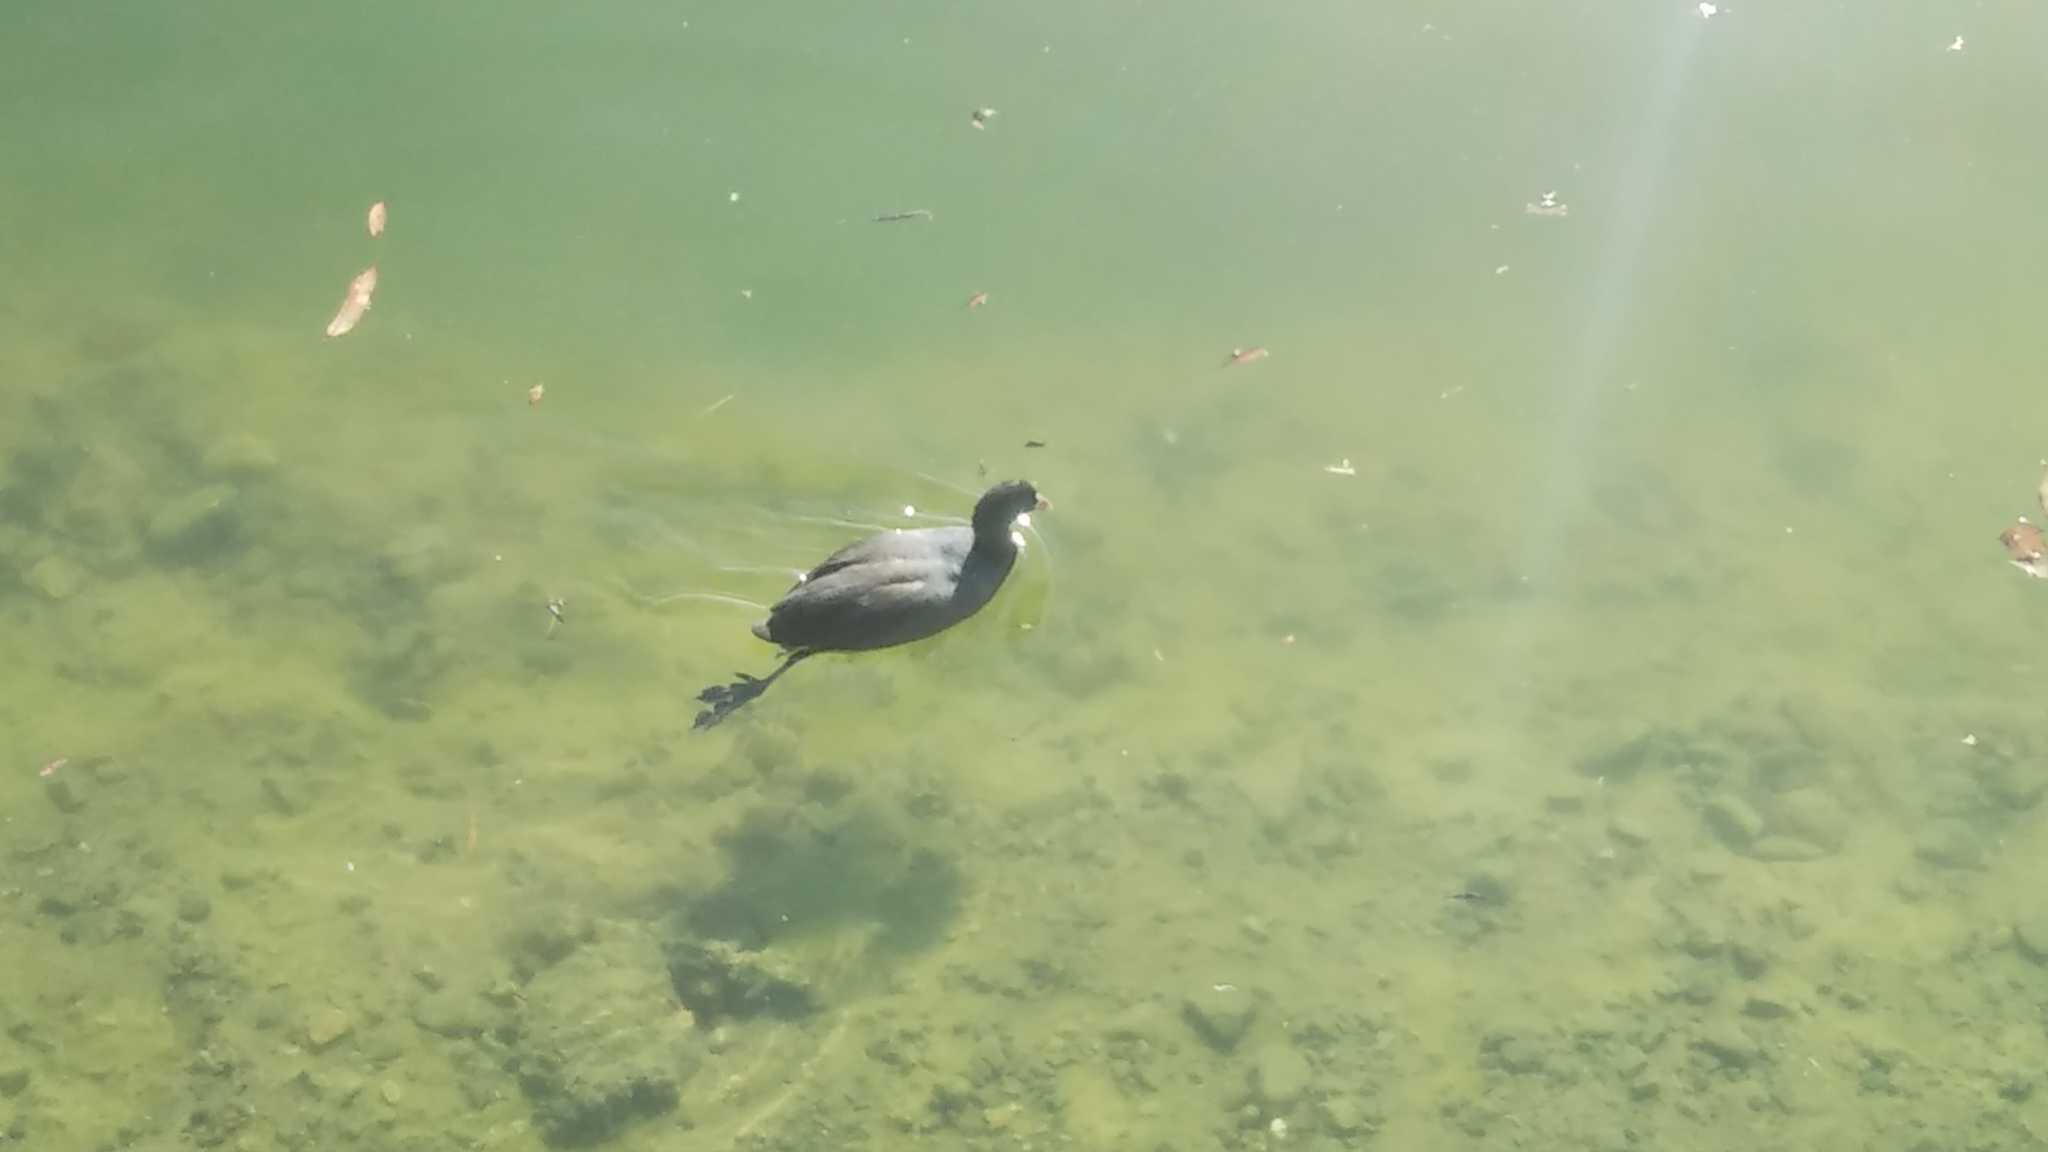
870	584
901	610
870	606
882	548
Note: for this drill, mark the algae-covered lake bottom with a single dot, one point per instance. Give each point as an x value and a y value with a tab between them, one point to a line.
1568	695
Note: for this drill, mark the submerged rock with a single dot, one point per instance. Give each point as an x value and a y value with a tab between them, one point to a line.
1765	1008
1514	1053
1346	1116
1220	1014
2011	783
424	555
196	522
719	979
548	937
1630	830
281	796
1812	815
1784	849
55	577
1279	1076
239	456
2030	936
1728	1046
1145	1021
326	1027
451	1013
605	1042
1951	843
1733	820
64	793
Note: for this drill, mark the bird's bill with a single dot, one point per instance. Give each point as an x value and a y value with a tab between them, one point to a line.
1043	505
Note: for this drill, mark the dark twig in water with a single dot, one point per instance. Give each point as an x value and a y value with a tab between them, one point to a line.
1034	443
726	699
912	214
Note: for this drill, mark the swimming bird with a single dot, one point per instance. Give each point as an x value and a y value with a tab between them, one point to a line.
889	589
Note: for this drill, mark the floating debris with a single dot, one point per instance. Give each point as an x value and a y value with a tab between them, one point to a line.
1245	356
1341	468
355	304
715	405
746	293
378	215
50	769
1034	443
2024	544
1956	45
910	214
732	198
555	620
1547	205
1501	269
1707	10
2025	547
534	395
976	300
1970	740
981	117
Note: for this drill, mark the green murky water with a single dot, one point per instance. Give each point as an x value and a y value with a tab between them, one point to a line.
1634	742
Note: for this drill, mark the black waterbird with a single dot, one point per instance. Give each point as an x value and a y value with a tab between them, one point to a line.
886	590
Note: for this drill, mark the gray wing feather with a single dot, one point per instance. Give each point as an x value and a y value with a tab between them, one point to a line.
870	606
910	544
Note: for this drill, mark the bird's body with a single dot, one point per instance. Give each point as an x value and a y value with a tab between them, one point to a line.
889	589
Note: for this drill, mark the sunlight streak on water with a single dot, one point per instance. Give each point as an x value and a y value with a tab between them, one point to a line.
1544	554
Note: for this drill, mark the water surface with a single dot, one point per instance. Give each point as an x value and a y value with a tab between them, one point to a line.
1639	749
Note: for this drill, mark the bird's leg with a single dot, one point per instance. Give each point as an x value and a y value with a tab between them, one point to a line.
726	699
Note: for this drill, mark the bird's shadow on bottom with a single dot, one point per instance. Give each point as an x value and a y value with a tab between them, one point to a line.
792	870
